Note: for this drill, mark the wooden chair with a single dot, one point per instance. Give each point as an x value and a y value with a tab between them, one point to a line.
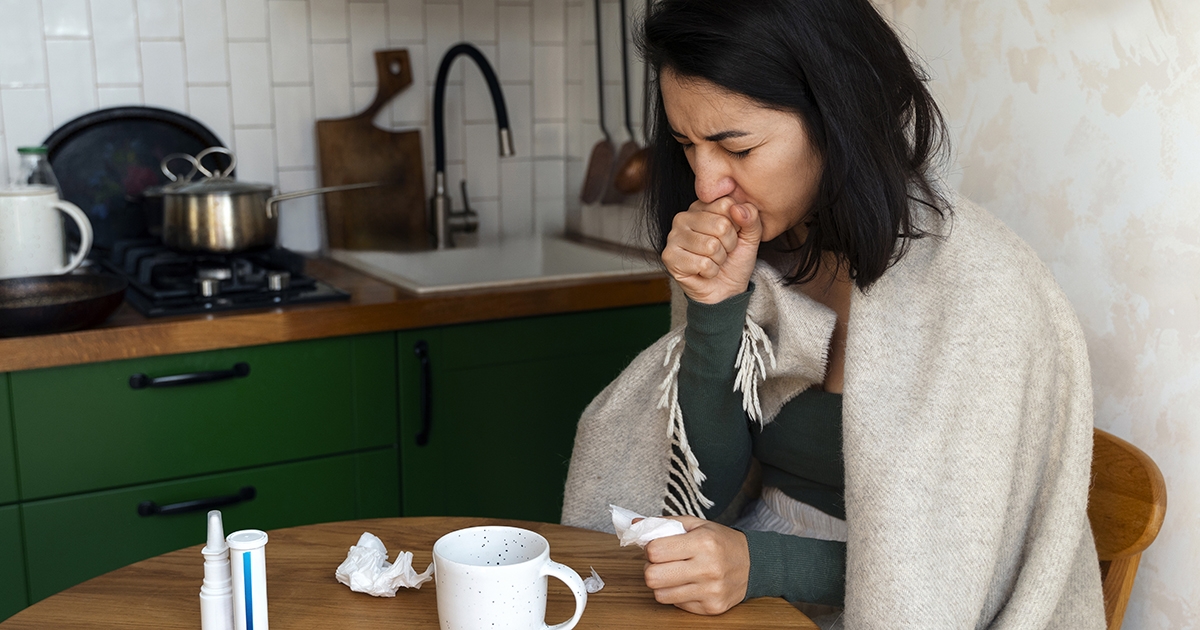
1126	505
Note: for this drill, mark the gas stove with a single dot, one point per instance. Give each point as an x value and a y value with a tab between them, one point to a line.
163	281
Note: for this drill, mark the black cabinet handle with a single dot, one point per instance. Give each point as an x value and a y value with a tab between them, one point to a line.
150	508
421	349
142	381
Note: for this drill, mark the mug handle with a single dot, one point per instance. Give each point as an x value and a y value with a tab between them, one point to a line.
85	234
575	583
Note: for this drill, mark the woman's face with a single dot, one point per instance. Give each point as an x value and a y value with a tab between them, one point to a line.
742	150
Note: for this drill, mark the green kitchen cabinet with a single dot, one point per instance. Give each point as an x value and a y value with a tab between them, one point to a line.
8	461
310	426
85	428
71	539
494	436
12	563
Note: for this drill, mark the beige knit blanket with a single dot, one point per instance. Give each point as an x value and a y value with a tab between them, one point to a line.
967	434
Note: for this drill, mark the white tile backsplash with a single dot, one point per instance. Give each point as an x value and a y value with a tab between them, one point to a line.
159	19
165	83
478	98
289	41
549	22
211	106
483	169
114	28
256	155
331	80
549	82
204	39
260	72
27	122
247	19
479	21
295	135
328	18
516	44
22	59
406	20
250	79
368	33
72	81
299	219
516	195
66	18
118	96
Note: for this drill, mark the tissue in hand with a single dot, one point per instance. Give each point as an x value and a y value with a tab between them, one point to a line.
645	530
366	569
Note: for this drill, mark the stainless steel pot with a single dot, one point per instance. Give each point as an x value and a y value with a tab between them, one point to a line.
220	214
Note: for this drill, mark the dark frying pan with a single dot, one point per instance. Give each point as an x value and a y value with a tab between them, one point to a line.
49	304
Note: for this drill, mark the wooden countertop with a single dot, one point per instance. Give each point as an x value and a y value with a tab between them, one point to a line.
374	306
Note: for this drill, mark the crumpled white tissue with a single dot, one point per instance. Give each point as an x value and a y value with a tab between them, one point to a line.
366	569
645	530
594	583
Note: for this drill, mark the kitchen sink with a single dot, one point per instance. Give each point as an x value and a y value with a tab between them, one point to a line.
506	262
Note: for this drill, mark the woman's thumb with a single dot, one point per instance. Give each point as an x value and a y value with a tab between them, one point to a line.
749	226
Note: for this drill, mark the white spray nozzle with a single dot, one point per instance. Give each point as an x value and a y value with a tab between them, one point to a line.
216	533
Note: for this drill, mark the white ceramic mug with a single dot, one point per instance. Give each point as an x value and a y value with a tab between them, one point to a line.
32	240
494	578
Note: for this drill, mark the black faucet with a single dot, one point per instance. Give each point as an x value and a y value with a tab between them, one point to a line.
445	221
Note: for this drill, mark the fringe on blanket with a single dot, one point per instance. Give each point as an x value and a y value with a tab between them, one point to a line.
685	477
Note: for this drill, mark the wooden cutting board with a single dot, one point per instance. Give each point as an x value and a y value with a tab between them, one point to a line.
353	150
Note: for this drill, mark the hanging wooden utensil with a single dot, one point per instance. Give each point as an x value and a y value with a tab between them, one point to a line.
598	177
630	173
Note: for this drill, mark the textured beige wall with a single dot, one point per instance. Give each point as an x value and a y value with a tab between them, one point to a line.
1078	123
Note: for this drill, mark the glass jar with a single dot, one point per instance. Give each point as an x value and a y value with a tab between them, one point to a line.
35	169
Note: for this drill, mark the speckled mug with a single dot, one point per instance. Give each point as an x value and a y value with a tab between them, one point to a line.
494	578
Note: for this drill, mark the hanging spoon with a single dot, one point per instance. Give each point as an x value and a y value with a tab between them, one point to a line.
597	178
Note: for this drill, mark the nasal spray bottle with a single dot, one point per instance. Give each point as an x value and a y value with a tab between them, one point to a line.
216	594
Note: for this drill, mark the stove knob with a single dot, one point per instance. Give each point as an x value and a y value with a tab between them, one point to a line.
278	280
209	287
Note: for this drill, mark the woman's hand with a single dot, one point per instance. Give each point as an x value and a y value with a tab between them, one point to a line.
705	571
712	248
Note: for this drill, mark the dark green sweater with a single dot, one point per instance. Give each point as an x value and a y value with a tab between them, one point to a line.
800	452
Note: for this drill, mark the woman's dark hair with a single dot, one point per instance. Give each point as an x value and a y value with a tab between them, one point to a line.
864	104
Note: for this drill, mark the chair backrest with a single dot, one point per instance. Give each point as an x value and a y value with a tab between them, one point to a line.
1126	505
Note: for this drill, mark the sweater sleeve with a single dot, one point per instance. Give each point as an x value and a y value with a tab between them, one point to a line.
716	425
794	568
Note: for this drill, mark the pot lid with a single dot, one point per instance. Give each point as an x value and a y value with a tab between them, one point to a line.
217	185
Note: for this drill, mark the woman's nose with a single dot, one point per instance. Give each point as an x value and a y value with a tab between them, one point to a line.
713	180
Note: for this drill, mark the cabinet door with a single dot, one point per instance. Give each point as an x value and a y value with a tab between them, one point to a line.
12	563
85	428
71	539
506	397
8	463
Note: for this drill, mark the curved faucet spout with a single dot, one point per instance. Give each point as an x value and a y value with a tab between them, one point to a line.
439	102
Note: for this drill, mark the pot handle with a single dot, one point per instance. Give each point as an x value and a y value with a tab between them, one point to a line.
219	173
165	168
274	201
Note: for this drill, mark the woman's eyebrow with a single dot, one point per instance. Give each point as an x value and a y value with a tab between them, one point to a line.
716	137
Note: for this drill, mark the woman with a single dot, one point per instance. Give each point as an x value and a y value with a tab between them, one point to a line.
911	379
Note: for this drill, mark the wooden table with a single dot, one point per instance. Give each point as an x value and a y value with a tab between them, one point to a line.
163	592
